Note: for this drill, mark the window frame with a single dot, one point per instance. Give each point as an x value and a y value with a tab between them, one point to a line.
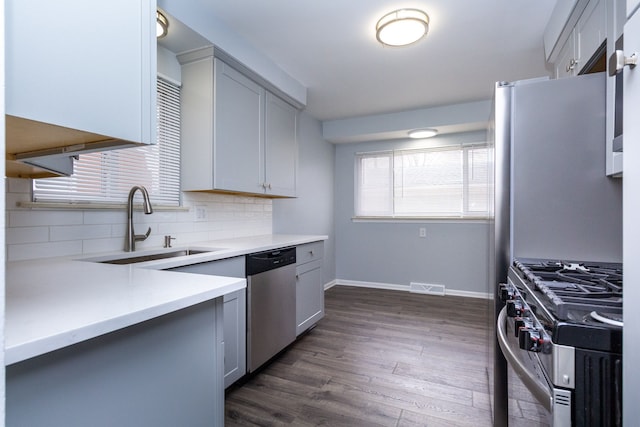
392	215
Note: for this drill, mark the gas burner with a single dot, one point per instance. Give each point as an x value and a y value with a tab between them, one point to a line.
607	318
574	289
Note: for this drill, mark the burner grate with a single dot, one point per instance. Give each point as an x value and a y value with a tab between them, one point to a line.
570	286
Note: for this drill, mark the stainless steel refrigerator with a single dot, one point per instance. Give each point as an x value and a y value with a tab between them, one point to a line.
552	197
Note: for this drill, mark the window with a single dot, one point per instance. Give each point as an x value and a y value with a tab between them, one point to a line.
435	182
107	177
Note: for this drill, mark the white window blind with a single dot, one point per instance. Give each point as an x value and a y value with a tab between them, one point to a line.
434	182
107	177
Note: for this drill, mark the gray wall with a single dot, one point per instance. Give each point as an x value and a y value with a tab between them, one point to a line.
312	211
454	253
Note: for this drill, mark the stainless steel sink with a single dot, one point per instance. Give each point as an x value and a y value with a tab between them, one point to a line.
143	257
153	257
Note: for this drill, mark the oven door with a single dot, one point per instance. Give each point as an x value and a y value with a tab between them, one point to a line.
526	364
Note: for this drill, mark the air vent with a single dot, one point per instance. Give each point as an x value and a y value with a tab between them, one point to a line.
562	399
426	288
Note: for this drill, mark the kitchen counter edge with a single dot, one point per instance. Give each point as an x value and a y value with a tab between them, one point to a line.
53	303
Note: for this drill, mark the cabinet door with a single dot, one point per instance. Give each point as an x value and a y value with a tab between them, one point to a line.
238	131
83	65
281	148
590	31
235	324
566	65
309	295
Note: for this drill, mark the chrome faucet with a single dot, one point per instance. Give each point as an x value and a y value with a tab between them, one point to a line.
130	242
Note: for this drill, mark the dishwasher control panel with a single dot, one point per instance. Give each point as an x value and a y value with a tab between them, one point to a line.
268	260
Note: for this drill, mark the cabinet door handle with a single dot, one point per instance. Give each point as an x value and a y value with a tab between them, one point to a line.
311	253
572	64
617	62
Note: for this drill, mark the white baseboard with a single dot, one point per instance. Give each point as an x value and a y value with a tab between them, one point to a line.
329	285
405	288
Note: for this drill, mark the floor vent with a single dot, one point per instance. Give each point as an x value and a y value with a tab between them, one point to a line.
426	288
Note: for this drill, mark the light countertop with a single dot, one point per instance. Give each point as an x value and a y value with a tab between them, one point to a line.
56	302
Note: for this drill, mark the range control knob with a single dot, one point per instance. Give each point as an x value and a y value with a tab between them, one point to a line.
505	292
530	339
514	308
522	323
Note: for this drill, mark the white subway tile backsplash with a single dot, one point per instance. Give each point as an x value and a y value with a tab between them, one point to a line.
43	250
32	218
79	232
102	245
104	217
39	233
26	235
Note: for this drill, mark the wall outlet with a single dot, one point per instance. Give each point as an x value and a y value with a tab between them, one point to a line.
201	213
422	232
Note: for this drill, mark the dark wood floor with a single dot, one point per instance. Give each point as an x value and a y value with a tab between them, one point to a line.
381	358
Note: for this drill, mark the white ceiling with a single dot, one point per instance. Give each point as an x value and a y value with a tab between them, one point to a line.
330	47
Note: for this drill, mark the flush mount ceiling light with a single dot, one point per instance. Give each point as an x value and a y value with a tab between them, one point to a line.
162	25
402	27
423	133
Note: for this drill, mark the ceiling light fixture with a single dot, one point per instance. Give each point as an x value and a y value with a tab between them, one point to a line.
422	133
162	25
402	27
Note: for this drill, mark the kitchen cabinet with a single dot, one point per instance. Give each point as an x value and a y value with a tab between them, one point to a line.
591	31
281	148
234	313
309	285
566	64
235	333
166	371
70	89
237	136
584	33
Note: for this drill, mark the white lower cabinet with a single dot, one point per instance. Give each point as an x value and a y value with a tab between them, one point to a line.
309	286
235	343
234	312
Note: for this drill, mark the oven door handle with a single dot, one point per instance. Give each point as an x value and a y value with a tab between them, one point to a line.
539	391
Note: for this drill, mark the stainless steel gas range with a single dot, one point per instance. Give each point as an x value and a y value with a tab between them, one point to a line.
561	331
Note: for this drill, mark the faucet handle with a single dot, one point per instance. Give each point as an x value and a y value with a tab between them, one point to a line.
167	241
140	237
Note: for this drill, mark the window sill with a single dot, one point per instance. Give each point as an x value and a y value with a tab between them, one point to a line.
422	219
98	206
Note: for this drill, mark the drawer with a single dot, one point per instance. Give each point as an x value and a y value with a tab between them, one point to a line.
309	252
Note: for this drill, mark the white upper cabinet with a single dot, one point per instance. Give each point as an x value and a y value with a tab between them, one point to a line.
281	149
236	136
591	30
566	63
583	33
79	72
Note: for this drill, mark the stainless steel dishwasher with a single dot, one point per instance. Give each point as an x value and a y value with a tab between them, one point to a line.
271	304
